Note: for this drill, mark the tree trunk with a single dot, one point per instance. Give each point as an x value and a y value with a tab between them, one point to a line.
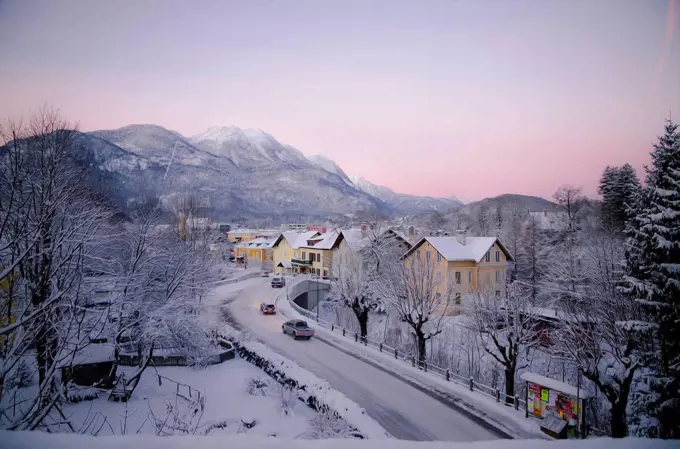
362	318
619	427
422	352
509	386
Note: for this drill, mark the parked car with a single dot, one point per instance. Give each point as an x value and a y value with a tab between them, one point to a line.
264	274
278	281
268	308
298	329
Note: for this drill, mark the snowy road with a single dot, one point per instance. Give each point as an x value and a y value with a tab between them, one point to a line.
402	410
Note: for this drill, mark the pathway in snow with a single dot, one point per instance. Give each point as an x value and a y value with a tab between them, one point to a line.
404	411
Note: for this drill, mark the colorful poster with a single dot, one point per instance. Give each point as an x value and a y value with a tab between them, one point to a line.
545	394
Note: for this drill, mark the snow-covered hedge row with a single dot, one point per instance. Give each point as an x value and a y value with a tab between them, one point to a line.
315	392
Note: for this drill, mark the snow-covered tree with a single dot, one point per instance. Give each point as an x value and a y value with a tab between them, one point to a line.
618	187
438	220
50	239
419	294
483	220
352	286
653	280
498	220
598	327
530	257
506	326
160	280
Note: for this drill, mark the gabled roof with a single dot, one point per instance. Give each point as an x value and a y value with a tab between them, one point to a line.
326	241
296	239
451	249
257	243
356	239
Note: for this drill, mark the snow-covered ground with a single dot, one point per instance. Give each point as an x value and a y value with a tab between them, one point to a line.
404	411
224	389
33	440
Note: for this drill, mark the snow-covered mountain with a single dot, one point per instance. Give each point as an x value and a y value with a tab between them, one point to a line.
241	172
331	167
406	204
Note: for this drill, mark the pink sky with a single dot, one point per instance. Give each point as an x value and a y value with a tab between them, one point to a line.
465	98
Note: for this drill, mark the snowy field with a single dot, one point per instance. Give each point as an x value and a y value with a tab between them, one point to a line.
226	403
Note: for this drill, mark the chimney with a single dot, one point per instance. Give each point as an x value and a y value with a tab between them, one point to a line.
460	236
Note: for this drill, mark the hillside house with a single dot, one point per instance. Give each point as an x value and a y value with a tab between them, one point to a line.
464	264
315	256
360	240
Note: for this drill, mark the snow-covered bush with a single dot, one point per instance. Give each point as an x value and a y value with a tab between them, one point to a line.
288	398
256	386
324	425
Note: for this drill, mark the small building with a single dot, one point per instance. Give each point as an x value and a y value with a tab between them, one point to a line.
260	249
87	366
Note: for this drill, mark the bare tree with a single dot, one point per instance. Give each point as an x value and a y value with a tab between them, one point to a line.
599	329
438	220
571	201
483	220
417	292
507	326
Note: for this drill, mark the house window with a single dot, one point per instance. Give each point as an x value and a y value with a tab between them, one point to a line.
325	273
488	256
469	277
439	257
498	256
457	298
498	275
498	293
458	277
418	254
304	255
427	256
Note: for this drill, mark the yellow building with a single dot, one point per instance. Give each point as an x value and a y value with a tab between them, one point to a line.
247	235
284	250
464	264
315	256
260	250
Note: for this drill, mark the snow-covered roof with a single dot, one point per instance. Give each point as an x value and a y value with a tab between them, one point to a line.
89	354
260	242
555	385
299	239
324	241
355	238
452	250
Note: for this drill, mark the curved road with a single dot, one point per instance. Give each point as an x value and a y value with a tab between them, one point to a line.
402	410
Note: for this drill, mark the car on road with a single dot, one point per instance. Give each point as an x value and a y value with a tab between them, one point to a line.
264	274
278	282
298	329
268	308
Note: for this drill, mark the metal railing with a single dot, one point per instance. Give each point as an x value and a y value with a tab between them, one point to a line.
445	373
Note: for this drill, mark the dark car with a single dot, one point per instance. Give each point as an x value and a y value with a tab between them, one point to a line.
268	308
278	282
298	329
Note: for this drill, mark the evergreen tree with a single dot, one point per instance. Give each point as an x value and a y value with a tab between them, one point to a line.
653	280
618	187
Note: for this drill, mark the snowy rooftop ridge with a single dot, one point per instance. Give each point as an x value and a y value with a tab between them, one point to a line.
452	250
25	440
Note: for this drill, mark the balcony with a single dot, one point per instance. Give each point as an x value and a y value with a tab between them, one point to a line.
301	262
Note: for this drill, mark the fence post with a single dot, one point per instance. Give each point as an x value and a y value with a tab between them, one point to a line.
395	354
343	331
332	327
448	375
356	337
365	341
380	347
425	366
413	360
472	385
516	402
498	395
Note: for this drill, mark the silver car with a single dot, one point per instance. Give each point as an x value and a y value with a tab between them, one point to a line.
298	329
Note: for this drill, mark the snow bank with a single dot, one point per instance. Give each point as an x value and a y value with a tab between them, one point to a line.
317	393
31	440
